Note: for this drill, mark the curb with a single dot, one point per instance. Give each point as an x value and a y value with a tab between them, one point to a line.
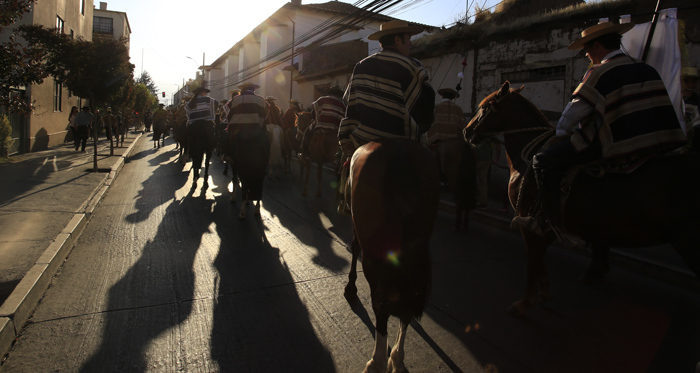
20	305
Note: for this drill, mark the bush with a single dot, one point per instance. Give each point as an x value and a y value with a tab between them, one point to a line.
6	140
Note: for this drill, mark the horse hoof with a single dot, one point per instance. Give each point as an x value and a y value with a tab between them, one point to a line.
350	295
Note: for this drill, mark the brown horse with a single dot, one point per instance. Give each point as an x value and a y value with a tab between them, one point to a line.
656	204
395	194
458	164
290	145
322	149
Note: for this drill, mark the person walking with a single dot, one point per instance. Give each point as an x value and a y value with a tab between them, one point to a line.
82	123
71	124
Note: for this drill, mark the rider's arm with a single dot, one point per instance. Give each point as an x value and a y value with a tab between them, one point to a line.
576	110
423	111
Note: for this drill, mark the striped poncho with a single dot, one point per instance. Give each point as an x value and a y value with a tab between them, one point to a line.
389	96
204	110
634	107
328	112
449	122
247	109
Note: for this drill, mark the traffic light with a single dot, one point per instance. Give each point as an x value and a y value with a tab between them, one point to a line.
163	94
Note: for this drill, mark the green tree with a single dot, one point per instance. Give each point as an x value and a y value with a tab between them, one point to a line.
146	79
143	99
28	62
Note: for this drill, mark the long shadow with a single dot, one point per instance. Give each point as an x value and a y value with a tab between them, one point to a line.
155	295
261	323
300	215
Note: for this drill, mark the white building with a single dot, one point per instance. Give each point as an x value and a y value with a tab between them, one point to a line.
110	23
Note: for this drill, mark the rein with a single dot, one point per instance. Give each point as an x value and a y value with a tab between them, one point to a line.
530	147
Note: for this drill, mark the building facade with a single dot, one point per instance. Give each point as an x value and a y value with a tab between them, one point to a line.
110	23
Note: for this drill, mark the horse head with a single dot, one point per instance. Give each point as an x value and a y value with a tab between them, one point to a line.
494	114
303	121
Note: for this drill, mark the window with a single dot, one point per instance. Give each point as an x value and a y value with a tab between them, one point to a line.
82	7
57	93
60	24
536	75
102	25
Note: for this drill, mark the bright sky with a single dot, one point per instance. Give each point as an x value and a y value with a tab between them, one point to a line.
166	32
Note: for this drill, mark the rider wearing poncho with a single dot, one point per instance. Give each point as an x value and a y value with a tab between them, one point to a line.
327	112
449	118
201	112
389	94
621	107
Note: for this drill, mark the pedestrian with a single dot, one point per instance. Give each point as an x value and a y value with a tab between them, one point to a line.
109	122
71	124
147	120
388	96
620	108
82	123
449	118
484	158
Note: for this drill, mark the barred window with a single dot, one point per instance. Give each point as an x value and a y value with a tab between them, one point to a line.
536	75
60	24
102	25
57	95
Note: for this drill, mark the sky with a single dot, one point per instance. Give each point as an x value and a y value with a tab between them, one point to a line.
166	32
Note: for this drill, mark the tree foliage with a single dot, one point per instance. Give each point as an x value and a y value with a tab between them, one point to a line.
146	79
143	99
24	63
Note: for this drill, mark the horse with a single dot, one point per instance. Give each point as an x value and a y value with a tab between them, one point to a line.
656	204
395	192
322	149
180	134
160	130
200	135
290	145
251	153
274	136
457	163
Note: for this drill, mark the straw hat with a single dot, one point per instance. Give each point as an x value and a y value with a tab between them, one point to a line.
247	85
690	71
395	27
270	98
293	101
448	91
200	90
598	31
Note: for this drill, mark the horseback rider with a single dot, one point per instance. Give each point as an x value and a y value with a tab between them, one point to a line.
620	108
327	112
449	118
201	111
275	115
289	118
389	95
246	109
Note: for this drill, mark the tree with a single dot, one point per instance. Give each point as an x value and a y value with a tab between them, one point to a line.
24	65
146	79
143	99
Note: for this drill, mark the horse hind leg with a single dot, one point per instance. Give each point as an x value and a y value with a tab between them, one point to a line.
379	361
396	358
537	279
351	288
257	207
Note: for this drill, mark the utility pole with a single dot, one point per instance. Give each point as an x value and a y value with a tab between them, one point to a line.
291	62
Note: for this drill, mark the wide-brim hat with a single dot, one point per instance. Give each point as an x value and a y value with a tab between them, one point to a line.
109	109
335	90
448	91
395	27
161	105
690	71
85	108
598	31
248	85
293	101
200	90
270	98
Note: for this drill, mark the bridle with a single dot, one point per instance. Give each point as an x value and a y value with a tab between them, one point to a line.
529	149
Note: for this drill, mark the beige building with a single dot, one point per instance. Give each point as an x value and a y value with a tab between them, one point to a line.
110	23
263	56
48	124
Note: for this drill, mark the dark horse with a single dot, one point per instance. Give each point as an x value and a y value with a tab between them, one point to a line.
458	164
251	153
395	191
180	134
200	135
322	149
656	204
160	130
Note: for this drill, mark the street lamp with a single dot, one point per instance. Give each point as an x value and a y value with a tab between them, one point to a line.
195	62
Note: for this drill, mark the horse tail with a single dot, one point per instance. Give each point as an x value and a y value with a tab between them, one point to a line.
276	145
398	224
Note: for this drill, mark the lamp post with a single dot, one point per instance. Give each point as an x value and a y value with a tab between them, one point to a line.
291	62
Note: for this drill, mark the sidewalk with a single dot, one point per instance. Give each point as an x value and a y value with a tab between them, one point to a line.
46	199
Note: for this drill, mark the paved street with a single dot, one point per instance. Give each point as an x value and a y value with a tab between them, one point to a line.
165	280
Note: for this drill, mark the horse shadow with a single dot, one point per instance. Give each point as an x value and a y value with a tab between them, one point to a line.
259	311
167	267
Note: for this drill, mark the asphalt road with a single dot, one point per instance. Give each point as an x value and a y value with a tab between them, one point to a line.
161	280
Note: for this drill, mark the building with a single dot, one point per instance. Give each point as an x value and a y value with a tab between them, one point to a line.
290	55
110	23
48	124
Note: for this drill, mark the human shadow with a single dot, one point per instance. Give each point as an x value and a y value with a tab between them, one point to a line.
41	141
155	294
261	322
